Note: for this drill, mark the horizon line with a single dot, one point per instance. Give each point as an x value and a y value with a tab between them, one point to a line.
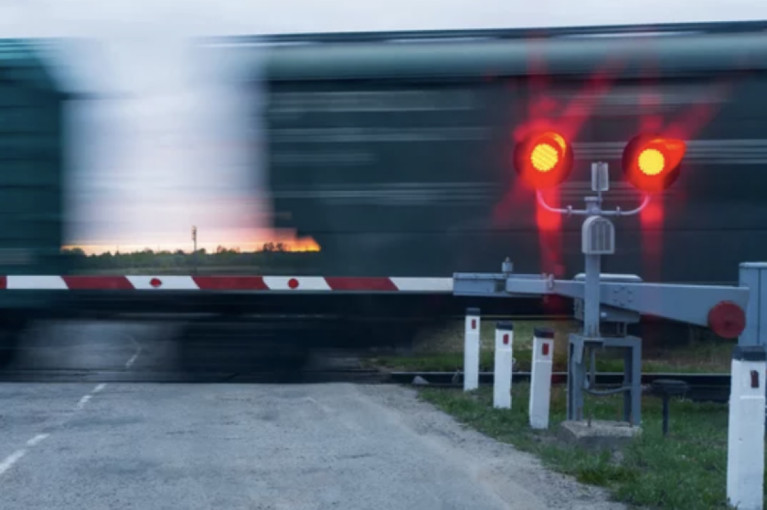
300	247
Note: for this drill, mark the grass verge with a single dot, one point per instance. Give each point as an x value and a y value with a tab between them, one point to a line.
685	470
441	349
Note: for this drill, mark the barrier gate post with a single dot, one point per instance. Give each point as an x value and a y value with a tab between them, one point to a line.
745	429
504	338
746	423
471	350
540	379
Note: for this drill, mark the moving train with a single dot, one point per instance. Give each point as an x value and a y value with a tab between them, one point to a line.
394	152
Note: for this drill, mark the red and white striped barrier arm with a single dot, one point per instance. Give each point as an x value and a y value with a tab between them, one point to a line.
229	283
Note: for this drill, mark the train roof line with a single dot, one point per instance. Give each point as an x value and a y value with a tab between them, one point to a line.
515	33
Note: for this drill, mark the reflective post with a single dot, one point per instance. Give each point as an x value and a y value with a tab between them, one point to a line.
540	379
504	339
745	431
471	350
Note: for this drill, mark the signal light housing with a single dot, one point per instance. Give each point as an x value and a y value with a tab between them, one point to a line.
543	159
651	163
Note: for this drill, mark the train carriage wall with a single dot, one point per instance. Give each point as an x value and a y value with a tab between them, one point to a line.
396	157
31	172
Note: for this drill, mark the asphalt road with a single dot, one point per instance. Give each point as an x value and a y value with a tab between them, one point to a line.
258	447
252	446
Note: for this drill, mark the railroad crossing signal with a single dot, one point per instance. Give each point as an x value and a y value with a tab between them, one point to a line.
543	159
651	164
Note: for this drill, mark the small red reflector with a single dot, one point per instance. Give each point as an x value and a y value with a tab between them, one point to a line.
727	319
505	339
545	348
155	282
754	379
473	323
293	283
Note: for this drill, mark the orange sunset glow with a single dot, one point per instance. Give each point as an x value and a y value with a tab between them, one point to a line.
290	244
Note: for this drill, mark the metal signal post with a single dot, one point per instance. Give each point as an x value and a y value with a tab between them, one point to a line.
597	239
194	253
603	300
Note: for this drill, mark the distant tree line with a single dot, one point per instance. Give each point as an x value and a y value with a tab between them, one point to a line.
272	255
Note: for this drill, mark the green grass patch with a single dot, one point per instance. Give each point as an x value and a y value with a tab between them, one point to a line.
685	470
440	349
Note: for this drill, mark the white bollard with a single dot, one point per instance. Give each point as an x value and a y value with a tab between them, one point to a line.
745	441
471	350
504	339
540	379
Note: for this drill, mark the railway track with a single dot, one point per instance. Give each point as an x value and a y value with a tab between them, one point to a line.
282	350
713	387
701	387
275	376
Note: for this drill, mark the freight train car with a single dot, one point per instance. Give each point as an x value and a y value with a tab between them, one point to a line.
394	151
31	171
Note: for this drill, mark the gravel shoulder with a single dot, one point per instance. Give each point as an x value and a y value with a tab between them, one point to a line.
517	479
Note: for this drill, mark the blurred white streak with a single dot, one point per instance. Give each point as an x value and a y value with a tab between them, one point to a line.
164	149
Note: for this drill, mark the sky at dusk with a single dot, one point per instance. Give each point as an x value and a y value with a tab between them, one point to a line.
169	143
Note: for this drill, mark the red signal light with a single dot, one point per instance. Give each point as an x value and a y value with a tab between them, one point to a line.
543	159
651	163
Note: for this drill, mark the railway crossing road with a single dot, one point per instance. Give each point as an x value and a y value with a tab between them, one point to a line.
340	445
117	443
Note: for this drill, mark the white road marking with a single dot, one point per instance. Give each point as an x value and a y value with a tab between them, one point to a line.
83	401
39	438
131	361
133	358
323	407
10	460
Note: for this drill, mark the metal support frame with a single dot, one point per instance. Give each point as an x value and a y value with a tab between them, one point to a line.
683	303
618	299
581	371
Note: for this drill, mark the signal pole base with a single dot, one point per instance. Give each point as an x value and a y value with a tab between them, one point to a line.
581	351
599	434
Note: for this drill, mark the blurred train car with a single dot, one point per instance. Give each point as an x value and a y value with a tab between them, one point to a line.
31	170
394	151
